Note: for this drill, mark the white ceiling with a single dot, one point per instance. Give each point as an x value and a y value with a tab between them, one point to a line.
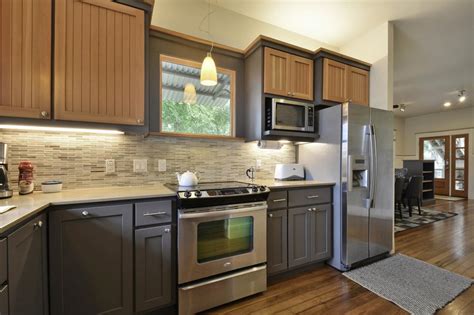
433	40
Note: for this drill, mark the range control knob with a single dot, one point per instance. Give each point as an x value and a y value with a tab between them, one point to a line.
262	188
254	188
187	194
198	193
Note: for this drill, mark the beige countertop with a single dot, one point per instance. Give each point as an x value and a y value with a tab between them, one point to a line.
29	205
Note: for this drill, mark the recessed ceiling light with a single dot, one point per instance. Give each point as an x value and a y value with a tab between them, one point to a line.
462	96
447	104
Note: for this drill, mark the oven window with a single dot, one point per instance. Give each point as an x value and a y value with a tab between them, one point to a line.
224	238
290	115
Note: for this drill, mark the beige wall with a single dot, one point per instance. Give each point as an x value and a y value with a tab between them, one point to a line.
376	47
79	159
449	122
227	27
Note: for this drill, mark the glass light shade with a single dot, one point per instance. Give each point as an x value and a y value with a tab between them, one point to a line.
208	71
190	94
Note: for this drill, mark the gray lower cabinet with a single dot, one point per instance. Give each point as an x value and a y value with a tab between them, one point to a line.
277	241
321	232
91	260
299	233
153	267
27	288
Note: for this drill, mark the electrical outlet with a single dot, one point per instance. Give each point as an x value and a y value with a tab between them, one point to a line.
258	165
140	166
109	166
161	165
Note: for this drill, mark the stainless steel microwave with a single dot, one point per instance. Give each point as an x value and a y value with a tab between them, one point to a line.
282	114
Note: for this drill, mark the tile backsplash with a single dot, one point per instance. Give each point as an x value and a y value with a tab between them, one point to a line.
78	160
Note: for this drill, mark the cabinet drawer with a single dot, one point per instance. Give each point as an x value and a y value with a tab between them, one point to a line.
4	299
277	200
153	212
3	261
309	196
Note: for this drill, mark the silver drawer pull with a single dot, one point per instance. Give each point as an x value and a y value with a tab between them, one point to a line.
167	230
312	196
270	215
85	213
38	225
279	200
149	214
3	288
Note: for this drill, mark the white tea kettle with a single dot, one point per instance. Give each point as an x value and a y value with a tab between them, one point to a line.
187	179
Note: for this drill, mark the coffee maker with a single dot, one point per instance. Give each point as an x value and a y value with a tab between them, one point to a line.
5	191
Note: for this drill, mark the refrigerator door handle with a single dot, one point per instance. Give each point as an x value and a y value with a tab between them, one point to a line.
373	165
376	166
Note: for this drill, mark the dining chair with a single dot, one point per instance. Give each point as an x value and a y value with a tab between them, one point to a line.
413	192
399	184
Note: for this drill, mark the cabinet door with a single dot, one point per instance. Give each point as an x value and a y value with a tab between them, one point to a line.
276	76
99	62
321	235
358	86
28	268
334	81
299	236
91	260
301	78
277	241
153	274
25	58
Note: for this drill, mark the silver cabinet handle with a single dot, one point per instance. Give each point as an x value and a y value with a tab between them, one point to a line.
270	215
310	209
85	213
3	288
279	200
167	230
39	224
312	196
314	209
289	93
148	214
44	114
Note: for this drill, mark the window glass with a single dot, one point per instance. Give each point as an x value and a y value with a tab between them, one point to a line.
187	107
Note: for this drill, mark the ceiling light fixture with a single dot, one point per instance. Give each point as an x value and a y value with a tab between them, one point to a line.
400	107
462	96
447	104
208	68
62	129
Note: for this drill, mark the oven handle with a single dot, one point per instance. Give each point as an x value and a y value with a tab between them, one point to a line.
236	274
220	213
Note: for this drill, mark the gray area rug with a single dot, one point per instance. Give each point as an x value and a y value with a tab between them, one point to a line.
427	216
415	286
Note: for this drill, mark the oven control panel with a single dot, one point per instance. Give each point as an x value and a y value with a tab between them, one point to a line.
210	193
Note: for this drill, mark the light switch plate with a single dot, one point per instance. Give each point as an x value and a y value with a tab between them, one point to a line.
109	166
140	166
161	165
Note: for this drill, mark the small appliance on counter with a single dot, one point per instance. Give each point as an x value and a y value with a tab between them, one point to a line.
26	184
289	172
188	178
5	191
51	186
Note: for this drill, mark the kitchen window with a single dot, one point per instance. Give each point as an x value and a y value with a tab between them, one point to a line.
190	109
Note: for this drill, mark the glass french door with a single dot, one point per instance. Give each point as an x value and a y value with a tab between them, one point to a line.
460	165
438	150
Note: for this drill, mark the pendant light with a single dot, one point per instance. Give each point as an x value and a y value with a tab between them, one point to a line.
189	97
208	68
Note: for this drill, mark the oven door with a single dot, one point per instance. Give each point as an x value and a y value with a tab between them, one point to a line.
220	239
293	116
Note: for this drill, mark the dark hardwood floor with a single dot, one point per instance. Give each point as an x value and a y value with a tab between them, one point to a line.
448	244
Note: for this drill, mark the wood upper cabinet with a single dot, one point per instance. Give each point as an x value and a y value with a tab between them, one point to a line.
99	62
276	77
301	77
287	75
342	83
334	81
25	58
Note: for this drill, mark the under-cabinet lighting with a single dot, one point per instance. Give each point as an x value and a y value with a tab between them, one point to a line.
62	129
447	104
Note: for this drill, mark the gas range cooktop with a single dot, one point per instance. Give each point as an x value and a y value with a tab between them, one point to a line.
219	193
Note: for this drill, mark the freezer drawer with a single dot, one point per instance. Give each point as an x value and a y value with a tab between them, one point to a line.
220	290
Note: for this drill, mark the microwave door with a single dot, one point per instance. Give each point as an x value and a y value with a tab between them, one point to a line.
289	116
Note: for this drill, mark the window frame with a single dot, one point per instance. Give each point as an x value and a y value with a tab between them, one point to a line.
195	64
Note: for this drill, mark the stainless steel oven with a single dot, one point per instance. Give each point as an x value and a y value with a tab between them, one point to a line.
219	239
282	114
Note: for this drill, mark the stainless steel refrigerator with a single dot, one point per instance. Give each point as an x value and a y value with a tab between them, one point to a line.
355	150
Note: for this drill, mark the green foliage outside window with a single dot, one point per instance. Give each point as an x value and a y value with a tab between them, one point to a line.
180	117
